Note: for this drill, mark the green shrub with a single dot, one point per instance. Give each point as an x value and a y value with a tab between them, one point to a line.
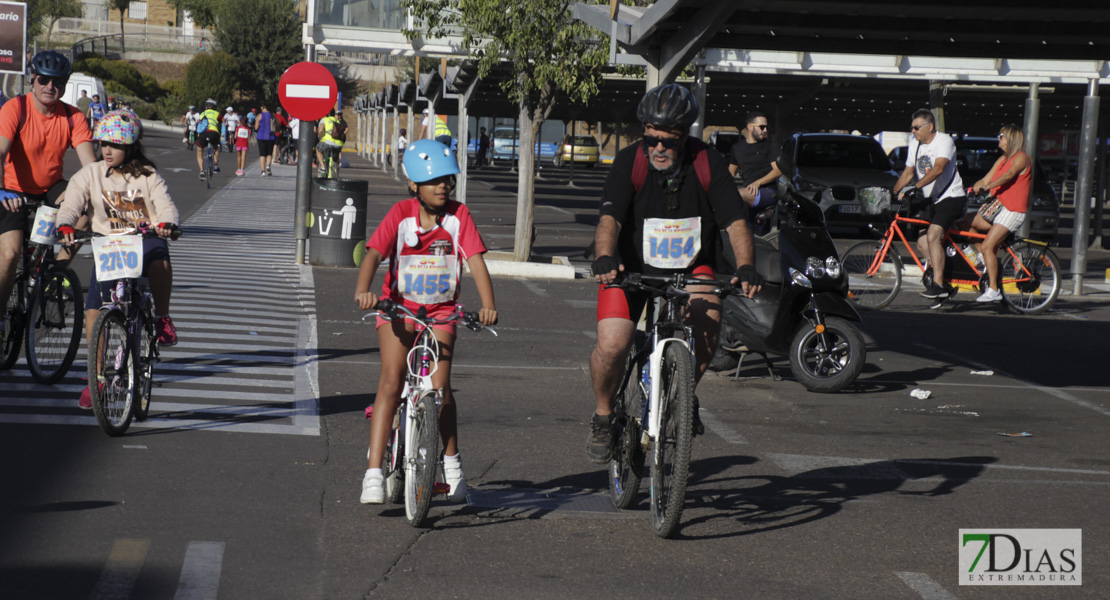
127	78
170	108
211	75
174	87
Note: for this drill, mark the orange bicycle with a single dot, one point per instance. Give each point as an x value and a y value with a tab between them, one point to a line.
1028	270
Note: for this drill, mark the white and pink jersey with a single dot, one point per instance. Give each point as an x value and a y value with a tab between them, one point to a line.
425	264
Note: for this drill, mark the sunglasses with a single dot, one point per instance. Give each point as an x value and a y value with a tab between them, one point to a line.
668	143
916	127
1001	135
761	127
59	82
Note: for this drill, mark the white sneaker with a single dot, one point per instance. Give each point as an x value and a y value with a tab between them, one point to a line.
453	476
373	489
991	295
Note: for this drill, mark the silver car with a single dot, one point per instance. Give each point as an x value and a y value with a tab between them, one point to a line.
851	172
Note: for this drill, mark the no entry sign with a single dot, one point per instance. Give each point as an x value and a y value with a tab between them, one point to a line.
307	90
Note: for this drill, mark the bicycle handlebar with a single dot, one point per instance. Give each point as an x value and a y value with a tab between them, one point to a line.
675	284
389	310
147	231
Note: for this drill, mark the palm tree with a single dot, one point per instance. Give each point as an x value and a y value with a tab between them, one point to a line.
121	5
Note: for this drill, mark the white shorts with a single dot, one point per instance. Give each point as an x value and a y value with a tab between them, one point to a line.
1009	219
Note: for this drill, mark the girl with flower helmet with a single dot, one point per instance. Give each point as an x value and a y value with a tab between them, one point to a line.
123	193
426	225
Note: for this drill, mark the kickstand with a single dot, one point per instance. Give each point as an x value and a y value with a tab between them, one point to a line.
744	352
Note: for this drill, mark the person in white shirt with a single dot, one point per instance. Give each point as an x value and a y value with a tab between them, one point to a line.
931	168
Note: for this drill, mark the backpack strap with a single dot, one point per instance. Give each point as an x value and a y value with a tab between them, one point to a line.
701	164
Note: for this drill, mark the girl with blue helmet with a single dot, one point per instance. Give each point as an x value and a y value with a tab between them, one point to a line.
426	239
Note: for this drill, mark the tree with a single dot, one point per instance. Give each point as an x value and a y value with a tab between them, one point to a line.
265	37
120	5
211	75
52	10
547	51
202	12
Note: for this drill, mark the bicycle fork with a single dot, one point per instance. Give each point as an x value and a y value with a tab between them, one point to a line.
655	365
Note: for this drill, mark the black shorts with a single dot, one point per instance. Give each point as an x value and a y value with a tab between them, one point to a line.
209	138
20	219
265	147
947	211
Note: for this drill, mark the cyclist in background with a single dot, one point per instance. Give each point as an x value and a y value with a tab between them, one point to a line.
36	130
328	143
189	121
429	227
123	192
231	123
632	213
210	137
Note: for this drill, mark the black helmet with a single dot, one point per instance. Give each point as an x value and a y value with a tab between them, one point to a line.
50	63
669	106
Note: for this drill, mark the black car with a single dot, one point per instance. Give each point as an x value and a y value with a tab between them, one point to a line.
851	172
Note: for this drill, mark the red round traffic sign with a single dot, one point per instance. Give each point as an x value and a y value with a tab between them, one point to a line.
307	91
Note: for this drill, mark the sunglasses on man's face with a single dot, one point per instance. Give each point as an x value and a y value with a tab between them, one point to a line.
668	143
59	82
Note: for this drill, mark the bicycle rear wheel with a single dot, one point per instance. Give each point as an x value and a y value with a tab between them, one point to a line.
146	356
670	450
422	460
54	325
627	467
872	284
13	327
111	373
393	461
1029	278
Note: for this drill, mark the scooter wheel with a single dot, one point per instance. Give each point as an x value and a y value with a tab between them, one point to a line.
828	362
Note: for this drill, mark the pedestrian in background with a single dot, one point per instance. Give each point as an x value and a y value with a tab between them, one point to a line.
264	133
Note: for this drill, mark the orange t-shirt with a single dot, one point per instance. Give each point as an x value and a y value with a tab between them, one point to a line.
34	161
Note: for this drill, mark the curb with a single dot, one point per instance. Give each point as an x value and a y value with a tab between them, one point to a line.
501	263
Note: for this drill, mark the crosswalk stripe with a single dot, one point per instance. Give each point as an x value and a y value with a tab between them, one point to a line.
122	569
246	318
200	574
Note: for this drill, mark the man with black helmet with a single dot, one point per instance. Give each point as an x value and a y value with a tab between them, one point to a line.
36	129
667	178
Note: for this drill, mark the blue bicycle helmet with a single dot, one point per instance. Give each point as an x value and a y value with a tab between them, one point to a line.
426	160
50	63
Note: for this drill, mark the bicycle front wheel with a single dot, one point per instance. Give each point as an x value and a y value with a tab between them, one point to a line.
111	373
872	283
1030	278
422	460
627	467
54	325
670	450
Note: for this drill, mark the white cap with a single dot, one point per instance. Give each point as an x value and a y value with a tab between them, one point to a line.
426	111
229	109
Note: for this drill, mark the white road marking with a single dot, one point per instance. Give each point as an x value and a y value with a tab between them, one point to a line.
200	575
532	287
122	569
925	586
1056	392
581	303
718	427
135	446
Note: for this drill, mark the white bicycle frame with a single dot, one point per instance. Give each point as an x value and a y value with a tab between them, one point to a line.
655	369
411	395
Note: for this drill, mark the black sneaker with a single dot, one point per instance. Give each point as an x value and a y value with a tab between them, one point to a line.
215	168
599	446
699	427
934	291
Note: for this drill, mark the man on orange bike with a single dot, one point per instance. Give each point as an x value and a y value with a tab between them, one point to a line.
931	168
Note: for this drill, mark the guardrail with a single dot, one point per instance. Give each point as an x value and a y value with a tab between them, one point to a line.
146	42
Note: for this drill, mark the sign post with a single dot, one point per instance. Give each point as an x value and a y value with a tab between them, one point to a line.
13	37
307	91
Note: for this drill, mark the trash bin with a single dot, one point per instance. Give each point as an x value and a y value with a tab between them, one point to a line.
337	222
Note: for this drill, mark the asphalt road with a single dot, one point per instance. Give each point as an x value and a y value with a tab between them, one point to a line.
792	494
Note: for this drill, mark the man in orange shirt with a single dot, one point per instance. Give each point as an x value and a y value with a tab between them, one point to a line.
35	132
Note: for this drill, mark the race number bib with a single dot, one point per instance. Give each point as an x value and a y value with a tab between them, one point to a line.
118	257
672	243
243	133
426	279
44	231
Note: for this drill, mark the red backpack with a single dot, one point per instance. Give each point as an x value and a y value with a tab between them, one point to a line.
701	164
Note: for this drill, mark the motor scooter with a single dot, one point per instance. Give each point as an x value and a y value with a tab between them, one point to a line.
803	310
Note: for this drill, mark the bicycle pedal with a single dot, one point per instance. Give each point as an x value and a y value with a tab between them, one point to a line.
441	488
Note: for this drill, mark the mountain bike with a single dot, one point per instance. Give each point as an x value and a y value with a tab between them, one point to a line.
414	453
660	370
330	168
43	309
122	344
1028	270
